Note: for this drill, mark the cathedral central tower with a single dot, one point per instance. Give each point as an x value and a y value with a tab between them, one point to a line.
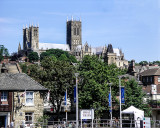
74	34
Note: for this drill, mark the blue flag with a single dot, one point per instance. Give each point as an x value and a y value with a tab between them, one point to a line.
109	99
65	99
74	94
122	95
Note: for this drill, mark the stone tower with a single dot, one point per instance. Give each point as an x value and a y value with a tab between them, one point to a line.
31	38
74	33
110	56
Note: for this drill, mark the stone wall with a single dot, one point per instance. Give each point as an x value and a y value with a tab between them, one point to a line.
20	107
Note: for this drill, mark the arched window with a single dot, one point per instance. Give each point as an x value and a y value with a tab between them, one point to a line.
74	31
77	31
86	48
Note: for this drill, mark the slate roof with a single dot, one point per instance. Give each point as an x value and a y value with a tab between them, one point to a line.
19	82
151	72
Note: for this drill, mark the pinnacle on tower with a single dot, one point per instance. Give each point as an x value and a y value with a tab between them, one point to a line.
72	18
67	18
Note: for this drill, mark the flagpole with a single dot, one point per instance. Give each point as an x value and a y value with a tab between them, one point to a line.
120	101
66	105
110	104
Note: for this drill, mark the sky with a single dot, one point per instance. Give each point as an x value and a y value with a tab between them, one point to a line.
132	25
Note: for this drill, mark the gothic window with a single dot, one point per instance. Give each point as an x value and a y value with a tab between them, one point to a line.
86	48
35	32
74	31
77	31
112	59
37	45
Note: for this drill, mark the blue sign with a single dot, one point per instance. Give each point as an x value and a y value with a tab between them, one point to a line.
109	99
74	94
122	95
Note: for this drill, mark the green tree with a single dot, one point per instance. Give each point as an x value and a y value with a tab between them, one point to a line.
33	56
3	52
135	96
59	54
93	86
143	62
55	75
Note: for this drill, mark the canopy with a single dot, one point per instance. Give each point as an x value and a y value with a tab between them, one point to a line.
138	114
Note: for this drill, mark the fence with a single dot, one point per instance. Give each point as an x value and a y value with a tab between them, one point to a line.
87	124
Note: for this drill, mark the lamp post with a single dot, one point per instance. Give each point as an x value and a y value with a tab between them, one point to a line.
76	74
120	101
110	104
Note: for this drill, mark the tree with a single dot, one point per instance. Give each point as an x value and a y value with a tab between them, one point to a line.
3	52
55	75
59	54
143	63
135	96
33	56
93	86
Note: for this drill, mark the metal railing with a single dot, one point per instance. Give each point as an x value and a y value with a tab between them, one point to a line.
97	123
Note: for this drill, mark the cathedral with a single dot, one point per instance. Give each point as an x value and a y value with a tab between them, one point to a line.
73	45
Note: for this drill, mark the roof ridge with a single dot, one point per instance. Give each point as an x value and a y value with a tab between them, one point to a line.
157	70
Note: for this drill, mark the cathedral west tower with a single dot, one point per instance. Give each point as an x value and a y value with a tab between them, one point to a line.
31	38
74	34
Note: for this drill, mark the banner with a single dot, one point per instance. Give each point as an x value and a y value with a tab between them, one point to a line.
74	94
65	99
122	95
109	99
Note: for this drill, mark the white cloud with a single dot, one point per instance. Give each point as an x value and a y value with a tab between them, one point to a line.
9	20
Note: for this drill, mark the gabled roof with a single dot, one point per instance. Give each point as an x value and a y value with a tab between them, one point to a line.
151	72
19	82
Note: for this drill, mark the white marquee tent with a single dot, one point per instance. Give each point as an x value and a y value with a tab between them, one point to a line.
138	114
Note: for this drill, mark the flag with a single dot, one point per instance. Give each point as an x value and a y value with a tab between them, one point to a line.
65	99
109	99
23	94
122	95
74	94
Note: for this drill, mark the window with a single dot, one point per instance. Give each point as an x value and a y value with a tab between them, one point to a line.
28	117
74	31
77	31
29	98
151	79
86	48
158	78
4	96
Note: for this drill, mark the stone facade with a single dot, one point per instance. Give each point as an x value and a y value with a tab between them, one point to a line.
74	34
73	42
21	108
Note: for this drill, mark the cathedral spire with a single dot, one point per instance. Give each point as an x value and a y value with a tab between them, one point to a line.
19	47
67	18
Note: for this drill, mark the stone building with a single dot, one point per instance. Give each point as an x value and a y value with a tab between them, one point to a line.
21	99
73	45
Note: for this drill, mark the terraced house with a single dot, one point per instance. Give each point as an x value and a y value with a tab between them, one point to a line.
21	99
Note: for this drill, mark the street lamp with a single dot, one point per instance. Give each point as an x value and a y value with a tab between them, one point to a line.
76	74
120	100
110	84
